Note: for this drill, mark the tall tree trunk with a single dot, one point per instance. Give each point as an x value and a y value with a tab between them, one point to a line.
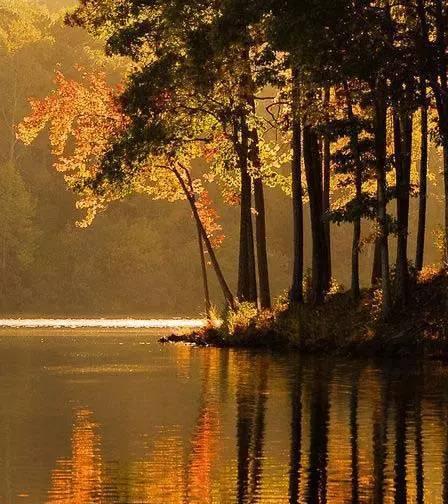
403	152
262	255
443	129
247	284
264	290
445	176
354	147
434	60
380	131
211	252
419	256
376	266
228	296
326	179
204	273
313	166
260	210
296	292
440	9
251	153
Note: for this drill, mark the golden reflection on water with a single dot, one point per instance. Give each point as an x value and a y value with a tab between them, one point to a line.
79	479
253	428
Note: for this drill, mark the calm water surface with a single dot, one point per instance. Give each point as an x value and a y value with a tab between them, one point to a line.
97	416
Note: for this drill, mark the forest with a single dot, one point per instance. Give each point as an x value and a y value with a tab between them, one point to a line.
268	154
50	267
263	182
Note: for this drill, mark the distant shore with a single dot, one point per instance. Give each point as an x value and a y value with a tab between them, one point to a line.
101	323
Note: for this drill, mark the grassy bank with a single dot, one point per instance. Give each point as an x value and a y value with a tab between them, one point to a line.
342	326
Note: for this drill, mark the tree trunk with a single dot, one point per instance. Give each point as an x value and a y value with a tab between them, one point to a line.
355	284
354	147
247	284
313	167
442	101
376	267
260	221
262	256
296	292
443	129
403	151
445	177
326	180
423	180
434	60
260	210
380	116
210	250
204	273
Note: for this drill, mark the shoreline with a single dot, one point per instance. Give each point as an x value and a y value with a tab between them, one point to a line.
386	346
341	326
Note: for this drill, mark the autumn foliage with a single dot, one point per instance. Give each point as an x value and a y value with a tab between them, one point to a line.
82	117
210	218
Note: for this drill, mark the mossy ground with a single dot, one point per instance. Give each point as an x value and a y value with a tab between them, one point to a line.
343	326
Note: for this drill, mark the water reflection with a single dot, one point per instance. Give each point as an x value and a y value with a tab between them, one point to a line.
204	444
79	479
210	426
251	397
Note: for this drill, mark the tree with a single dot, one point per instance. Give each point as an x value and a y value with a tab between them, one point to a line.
296	291
338	81
420	249
326	175
403	91
294	29
313	164
430	31
89	114
206	63
358	170
234	54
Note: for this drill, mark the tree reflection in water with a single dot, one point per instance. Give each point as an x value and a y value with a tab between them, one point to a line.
271	429
79	480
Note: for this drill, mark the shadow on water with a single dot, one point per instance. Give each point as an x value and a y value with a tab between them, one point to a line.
89	421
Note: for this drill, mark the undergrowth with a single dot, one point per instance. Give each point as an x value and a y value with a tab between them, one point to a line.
341	324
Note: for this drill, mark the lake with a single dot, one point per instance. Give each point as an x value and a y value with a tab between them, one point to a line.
111	416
